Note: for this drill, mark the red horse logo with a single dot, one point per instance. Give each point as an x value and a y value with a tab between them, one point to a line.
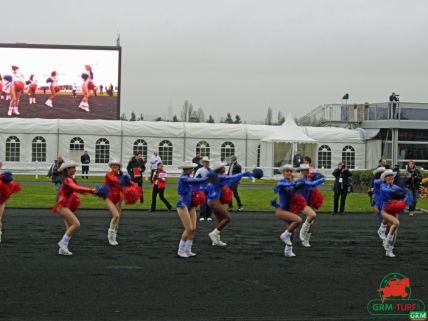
395	288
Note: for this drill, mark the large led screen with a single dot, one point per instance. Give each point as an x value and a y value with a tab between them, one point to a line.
47	81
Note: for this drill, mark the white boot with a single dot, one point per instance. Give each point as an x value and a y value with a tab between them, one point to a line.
64	252
288	251
0	235
182	250
305	242
16	111
304	230
286	237
9	113
49	103
111	236
215	238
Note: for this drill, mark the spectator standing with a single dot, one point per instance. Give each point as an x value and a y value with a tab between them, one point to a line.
74	90
202	172
298	159
393	103
159	179
397	177
197	160
101	90
235	168
413	180
55	175
136	167
382	163
341	187
154	160
85	160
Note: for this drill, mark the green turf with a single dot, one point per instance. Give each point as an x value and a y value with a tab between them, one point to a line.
254	199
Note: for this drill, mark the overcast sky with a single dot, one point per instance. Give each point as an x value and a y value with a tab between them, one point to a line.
242	56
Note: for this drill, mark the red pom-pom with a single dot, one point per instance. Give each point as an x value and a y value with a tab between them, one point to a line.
198	198
33	86
297	203
132	193
395	207
57	89
226	195
317	199
19	85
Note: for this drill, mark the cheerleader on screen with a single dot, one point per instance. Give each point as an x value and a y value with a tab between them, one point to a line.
305	190
68	203
393	199
16	89
7	188
6	84
32	86
186	206
87	87
53	86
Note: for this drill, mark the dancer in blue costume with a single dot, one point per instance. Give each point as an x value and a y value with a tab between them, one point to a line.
185	207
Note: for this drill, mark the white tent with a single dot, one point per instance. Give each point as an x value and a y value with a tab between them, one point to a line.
29	143
281	145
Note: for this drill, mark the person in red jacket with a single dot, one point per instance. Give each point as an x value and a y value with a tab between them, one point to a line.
114	199
159	179
68	203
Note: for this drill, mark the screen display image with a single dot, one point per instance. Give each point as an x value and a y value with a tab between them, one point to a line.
43	81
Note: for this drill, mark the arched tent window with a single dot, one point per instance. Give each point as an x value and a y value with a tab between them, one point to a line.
140	146
348	156
324	156
203	148
13	149
102	151
227	149
165	152
77	143
38	149
258	155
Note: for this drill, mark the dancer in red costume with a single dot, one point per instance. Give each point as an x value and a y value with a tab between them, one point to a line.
68	203
16	89
7	188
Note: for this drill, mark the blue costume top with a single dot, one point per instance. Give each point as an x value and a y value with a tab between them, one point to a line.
214	188
186	185
304	187
389	192
285	189
376	184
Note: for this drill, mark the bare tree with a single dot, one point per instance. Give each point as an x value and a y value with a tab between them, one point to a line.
268	120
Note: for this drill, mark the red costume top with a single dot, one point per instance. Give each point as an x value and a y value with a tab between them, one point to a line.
7	189
68	194
112	180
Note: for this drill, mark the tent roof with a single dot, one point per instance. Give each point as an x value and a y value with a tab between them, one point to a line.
288	132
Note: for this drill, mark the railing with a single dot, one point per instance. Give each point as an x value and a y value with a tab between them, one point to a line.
356	113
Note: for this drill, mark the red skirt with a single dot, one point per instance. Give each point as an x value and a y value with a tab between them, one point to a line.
71	202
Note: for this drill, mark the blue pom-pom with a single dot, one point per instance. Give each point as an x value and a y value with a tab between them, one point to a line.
7	177
274	203
102	190
8	78
125	180
49	80
28	82
212	175
258	173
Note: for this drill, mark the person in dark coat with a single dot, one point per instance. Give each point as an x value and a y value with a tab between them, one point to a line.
413	181
235	168
136	168
55	175
341	187
85	160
